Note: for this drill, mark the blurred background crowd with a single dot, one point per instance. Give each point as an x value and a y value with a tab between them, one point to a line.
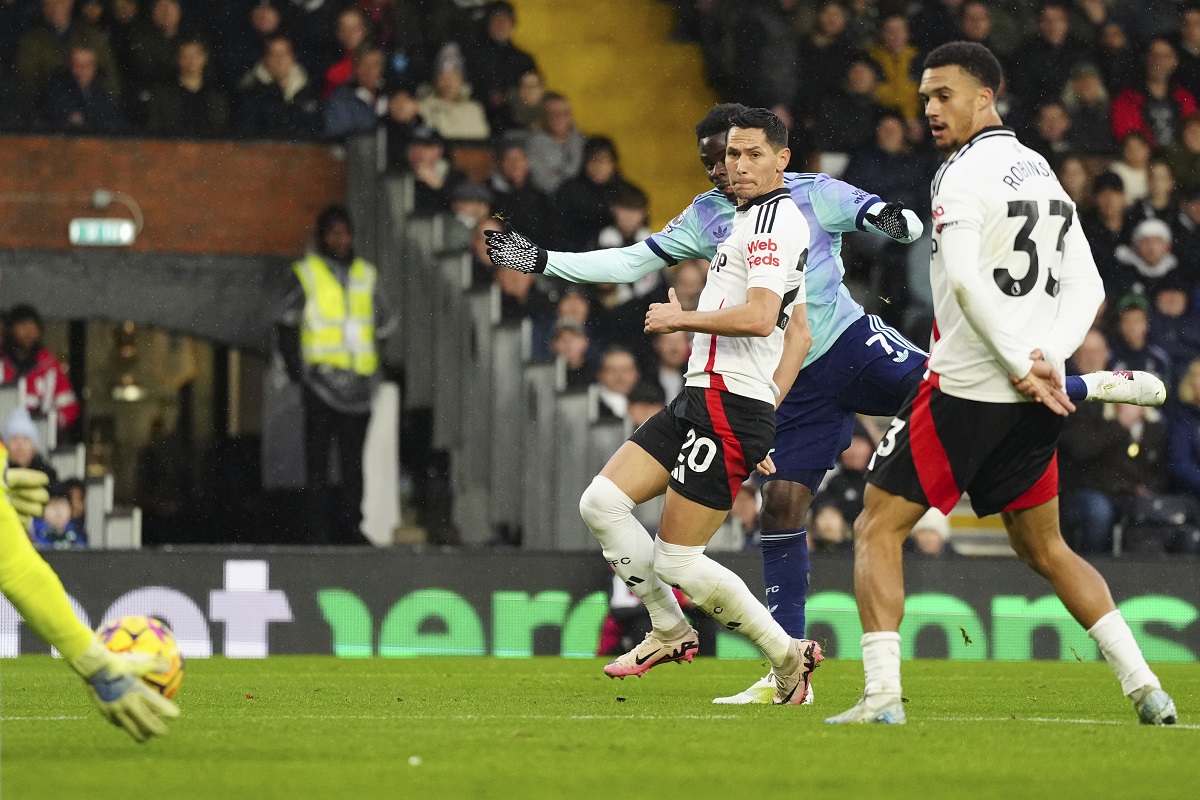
1105	89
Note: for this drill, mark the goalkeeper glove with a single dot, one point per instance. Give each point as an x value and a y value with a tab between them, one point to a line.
510	249
894	221
26	489
115	683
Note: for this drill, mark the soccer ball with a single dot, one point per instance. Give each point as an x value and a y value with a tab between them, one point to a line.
151	636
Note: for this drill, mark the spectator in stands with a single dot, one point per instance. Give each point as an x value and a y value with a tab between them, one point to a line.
1118	465
495	64
574	303
243	51
517	200
615	379
1188	49
447	107
356	106
1086	102
76	492
331	332
481	262
525	105
351	30
275	99
47	388
1159	202
1042	65
645	400
628	209
125	24
840	499
930	536
470	203
521	298
897	59
1087	20
76	100
571	343
24	445
1133	166
846	121
1118	62
425	156
976	25
936	23
55	530
1073	176
1105	226
1088	515
888	167
1184	156
1131	348
45	47
556	151
1142	265
403	117
1185	432
828	52
154	51
767	53
1187	235
672	350
583	202
1157	107
1174	327
1050	132
191	106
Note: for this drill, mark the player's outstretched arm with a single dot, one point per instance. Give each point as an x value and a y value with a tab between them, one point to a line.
894	221
757	316
616	265
842	208
38	595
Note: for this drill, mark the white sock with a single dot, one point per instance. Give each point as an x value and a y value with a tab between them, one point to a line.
881	662
1122	653
1093	381
721	594
629	549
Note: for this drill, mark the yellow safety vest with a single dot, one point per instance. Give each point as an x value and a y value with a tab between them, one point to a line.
339	325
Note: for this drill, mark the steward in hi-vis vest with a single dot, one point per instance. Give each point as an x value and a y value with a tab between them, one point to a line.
329	336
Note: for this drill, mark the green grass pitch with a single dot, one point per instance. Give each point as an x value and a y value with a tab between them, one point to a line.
321	727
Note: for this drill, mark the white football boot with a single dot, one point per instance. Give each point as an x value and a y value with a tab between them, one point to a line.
762	692
792	689
1135	388
887	709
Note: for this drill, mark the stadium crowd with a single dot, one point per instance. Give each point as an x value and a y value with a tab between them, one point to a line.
1105	90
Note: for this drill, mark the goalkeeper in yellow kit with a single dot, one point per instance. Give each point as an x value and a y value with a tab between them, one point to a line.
114	680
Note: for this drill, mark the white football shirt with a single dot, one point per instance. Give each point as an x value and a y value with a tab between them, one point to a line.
1032	281
767	248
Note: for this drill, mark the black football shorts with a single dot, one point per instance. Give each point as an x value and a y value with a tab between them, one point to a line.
710	441
1004	455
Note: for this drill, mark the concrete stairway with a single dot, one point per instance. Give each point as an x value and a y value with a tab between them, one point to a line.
627	81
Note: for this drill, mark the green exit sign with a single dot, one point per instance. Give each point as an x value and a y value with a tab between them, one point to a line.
102	232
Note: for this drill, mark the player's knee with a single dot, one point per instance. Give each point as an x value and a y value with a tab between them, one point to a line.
673	569
785	505
602	503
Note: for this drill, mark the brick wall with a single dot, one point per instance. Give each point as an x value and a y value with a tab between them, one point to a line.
220	198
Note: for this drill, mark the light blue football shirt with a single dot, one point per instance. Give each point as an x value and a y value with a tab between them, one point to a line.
830	206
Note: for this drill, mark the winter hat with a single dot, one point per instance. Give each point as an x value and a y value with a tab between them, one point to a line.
19	423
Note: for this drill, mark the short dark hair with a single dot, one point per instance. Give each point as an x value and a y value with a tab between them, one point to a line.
630	196
717	119
596	145
24	313
972	58
767	122
648	393
331	215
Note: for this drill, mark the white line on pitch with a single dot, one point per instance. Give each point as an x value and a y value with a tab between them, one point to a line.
1048	720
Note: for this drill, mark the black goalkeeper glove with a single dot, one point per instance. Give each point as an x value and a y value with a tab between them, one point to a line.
890	221
510	249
